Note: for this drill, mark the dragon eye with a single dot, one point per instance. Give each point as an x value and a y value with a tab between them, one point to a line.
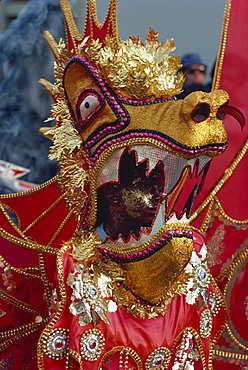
200	112
89	103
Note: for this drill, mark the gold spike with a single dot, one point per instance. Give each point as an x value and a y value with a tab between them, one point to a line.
45	131
112	11
48	86
52	44
71	28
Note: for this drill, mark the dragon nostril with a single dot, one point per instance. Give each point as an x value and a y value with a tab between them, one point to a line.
221	112
200	112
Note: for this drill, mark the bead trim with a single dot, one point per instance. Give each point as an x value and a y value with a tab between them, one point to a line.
16	334
167	229
220	303
130	101
30	191
16	302
206	324
28	271
50	327
128	352
5	208
143	309
27	243
169	143
121	113
191	331
237	265
43	214
230	355
151	249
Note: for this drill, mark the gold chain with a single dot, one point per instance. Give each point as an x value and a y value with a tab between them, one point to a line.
16	302
60	227
21	332
43	214
27	243
232	355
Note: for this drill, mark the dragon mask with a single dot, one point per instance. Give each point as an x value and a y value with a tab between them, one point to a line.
113	97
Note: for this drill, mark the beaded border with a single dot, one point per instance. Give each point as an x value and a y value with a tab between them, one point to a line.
50	327
166	359
49	344
228	173
17	334
221	302
230	355
122	349
150	250
168	230
221	53
206	323
198	343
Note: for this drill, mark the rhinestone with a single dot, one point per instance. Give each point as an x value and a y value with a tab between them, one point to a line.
57	344
92	343
202	276
91	292
158	359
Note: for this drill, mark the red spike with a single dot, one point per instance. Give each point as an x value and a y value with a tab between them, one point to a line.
93	29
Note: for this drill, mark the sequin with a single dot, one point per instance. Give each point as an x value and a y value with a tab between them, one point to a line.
8	363
2	313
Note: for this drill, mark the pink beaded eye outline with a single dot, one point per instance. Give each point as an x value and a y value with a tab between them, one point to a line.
89	104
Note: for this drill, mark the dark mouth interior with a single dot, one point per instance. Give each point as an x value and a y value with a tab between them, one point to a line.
144	189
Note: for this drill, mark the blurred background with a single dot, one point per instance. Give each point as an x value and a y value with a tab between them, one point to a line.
195	26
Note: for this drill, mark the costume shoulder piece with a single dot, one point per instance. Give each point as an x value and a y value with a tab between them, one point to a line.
118	127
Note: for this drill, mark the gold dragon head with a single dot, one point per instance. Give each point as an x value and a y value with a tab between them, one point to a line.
111	95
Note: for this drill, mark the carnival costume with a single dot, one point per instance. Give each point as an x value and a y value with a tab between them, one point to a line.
145	302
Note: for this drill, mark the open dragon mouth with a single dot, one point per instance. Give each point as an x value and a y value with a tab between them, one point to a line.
183	180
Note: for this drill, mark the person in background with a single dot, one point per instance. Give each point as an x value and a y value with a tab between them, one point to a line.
195	72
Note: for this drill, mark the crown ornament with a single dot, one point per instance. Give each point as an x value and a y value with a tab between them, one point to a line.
132	68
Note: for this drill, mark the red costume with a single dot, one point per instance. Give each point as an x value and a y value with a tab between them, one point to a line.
178	335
